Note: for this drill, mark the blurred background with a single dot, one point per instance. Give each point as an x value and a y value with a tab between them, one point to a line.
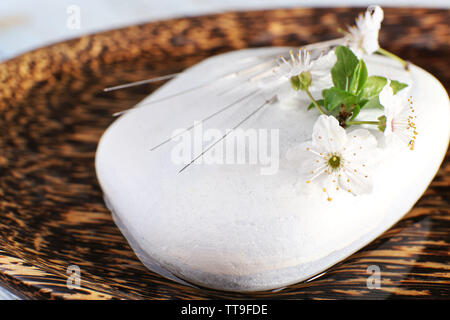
28	24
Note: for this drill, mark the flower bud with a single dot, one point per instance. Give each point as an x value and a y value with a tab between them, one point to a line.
305	80
382	125
295	83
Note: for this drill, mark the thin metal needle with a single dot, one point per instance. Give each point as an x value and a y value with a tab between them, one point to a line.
172	75
313	46
179	93
141	82
169	76
271	100
203	85
207	118
247	80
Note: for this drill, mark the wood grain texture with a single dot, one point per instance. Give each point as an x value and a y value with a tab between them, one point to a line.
53	112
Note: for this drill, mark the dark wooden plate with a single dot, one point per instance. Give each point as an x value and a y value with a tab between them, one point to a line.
53	112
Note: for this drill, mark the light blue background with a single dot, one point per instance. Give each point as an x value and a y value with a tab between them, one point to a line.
27	24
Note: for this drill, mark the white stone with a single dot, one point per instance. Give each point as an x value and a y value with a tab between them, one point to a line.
229	227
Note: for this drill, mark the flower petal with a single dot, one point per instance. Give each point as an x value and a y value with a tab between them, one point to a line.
328	135
364	37
361	147
325	62
305	159
357	183
377	14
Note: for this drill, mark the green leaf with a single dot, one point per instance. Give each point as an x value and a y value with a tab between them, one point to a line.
359	77
397	86
343	69
372	87
355	111
373	103
334	97
312	106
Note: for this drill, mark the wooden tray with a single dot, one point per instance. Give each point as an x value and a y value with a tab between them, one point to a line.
53	112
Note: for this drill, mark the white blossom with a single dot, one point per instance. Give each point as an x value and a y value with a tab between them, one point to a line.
335	161
296	63
363	37
400	117
320	68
